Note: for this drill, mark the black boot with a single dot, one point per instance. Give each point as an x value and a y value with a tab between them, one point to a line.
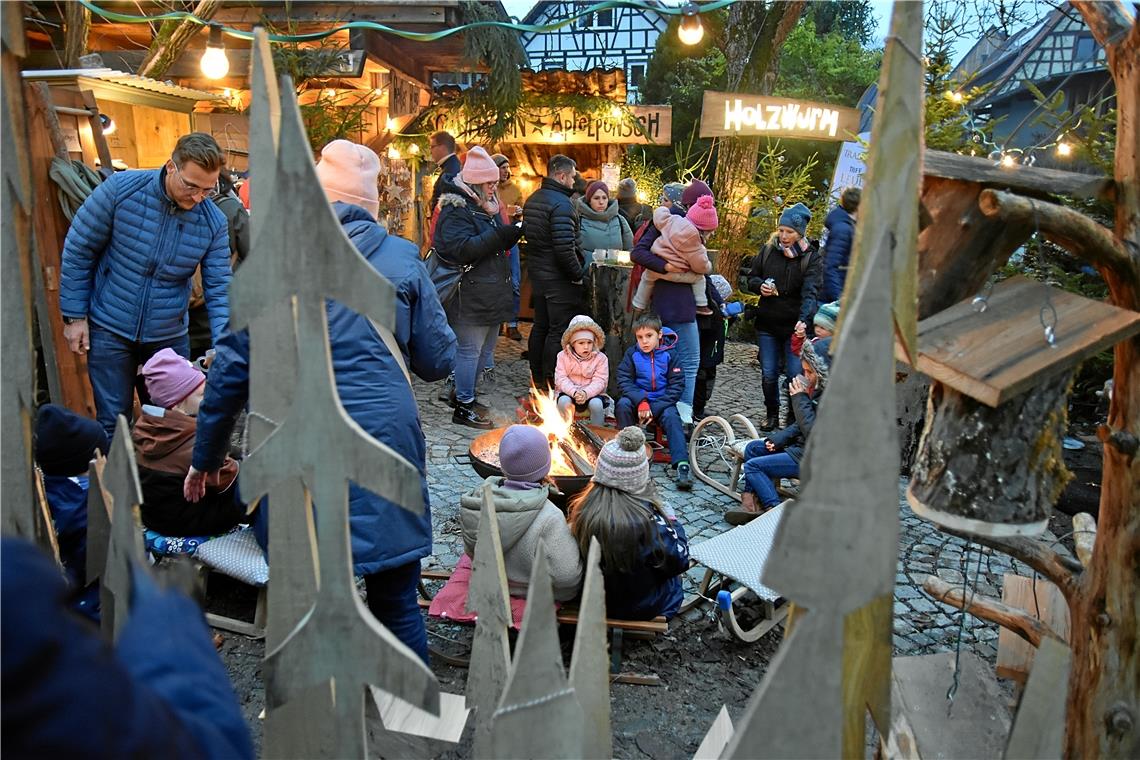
771	422
481	409
467	414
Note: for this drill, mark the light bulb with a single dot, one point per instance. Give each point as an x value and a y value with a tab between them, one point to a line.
214	63
393	152
640	197
955	96
414	149
1064	149
1007	161
615	112
390	124
691	30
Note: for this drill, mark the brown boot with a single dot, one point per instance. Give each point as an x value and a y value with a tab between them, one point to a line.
749	510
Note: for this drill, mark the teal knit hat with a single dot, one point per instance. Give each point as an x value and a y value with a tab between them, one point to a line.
827	315
796	217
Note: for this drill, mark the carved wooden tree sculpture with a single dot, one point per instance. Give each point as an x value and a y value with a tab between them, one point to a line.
338	640
835	551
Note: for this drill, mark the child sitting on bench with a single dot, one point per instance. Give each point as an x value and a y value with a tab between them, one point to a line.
164	443
644	552
779	455
583	370
525	515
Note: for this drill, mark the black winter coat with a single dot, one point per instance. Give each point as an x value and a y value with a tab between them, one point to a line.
797	281
550	224
467	235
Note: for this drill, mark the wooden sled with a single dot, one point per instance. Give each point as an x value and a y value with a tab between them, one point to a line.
739	555
719	434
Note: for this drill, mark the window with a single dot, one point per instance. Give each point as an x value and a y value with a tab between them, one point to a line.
600	20
1085	48
636	74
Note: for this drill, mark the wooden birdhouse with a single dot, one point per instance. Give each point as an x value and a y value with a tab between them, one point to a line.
989	461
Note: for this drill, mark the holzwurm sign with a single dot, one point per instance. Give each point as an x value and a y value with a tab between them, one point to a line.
738	114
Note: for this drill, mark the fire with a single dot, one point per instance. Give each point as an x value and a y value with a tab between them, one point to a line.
556	428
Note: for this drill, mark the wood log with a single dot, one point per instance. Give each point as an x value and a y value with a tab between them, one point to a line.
606	288
1026	180
583	433
172	39
579	462
987	608
1084	536
991	471
911	390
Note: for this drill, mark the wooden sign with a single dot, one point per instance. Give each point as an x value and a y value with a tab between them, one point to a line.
728	114
570	127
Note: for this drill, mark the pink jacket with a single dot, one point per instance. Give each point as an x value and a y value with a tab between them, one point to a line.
572	374
680	242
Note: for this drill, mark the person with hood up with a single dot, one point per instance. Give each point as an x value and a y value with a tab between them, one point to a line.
635	212
602	226
785	273
644	548
65	444
388	542
682	244
470	234
525	515
780	454
836	246
583	369
651	381
164	445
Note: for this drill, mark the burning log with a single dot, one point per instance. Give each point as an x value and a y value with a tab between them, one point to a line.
579	462
587	436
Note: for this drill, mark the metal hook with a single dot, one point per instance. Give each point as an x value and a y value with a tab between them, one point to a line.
1049	327
981	301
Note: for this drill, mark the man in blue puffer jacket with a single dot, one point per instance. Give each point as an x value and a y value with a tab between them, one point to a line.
840	226
388	542
127	265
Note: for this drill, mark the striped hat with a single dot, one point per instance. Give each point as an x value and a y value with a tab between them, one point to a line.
622	463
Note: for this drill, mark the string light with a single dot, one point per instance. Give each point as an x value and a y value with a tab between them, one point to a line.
954	96
390	124
214	62
393	152
1007	160
414	149
691	31
1064	149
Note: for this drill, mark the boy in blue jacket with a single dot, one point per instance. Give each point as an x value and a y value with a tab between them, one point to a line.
652	381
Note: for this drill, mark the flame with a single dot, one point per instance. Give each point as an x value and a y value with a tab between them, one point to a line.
556	428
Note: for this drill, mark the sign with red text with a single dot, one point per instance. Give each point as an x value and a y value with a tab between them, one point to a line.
727	114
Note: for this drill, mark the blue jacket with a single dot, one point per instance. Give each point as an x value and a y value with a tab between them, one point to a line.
130	255
653	587
67	500
657	378
161	692
840	227
371	387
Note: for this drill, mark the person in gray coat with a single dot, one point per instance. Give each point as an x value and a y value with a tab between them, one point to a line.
602	226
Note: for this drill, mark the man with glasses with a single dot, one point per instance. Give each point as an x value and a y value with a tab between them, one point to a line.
127	266
442	146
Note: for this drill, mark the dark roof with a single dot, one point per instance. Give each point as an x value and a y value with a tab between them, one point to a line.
539	10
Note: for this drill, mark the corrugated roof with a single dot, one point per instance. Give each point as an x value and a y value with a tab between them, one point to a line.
123	78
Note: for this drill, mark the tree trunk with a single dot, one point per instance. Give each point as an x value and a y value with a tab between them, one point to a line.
1104	687
172	38
77	25
751	64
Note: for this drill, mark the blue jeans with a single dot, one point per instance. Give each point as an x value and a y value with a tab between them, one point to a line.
393	600
689	352
516	278
668	419
761	467
775	357
475	346
113	366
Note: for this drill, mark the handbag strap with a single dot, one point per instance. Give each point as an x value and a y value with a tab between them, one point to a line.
393	348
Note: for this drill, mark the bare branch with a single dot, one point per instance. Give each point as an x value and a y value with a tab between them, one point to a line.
166	48
1109	21
1063	570
987	608
1069	229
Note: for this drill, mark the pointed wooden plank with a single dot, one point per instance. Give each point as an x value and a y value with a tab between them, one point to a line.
489	599
537	692
589	663
265	128
120	483
717	737
835	553
395	721
98	522
1039	729
1040	599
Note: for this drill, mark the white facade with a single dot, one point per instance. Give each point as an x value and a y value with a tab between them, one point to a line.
614	38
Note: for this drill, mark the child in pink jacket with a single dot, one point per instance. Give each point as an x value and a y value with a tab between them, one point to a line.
583	370
682	244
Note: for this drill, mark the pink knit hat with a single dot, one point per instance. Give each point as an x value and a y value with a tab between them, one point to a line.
170	378
478	167
348	173
703	214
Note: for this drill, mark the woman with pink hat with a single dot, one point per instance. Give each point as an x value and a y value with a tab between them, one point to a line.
470	235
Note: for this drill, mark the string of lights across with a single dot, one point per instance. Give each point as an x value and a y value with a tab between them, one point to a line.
690	11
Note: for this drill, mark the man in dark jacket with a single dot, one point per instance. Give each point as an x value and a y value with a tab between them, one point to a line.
237	218
127	263
555	265
442	146
388	542
160	692
635	212
840	226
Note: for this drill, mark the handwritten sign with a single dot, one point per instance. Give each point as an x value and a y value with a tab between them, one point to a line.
567	126
849	168
739	115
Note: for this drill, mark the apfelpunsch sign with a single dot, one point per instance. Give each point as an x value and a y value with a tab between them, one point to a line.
565	125
741	115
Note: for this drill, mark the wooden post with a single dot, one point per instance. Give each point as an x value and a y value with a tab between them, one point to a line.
120	486
606	288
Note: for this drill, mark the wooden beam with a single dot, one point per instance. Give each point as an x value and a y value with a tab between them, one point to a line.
987	608
1031	180
399	15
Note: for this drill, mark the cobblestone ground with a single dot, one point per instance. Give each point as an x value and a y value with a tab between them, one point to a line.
921	626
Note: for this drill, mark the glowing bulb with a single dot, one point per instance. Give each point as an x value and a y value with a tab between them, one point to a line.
330	93
107	123
615	112
214	63
691	30
640	197
414	149
557	137
390	124
1064	149
1007	161
954	96
393	152
746	199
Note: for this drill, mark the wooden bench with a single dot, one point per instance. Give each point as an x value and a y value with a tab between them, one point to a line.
568	615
